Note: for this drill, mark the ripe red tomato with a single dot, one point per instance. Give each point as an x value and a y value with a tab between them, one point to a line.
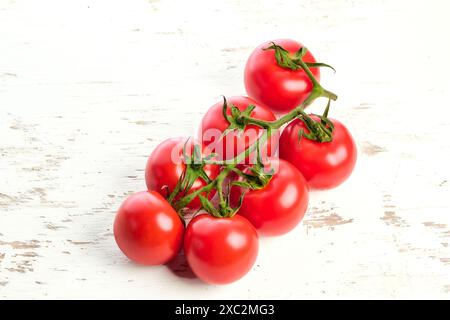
278	88
278	207
147	229
165	166
232	144
220	250
324	165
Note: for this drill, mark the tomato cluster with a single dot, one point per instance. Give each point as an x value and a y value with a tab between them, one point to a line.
244	176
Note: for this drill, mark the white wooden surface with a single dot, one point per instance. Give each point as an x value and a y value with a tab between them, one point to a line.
89	88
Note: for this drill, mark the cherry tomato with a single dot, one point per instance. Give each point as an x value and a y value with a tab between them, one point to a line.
220	250
166	164
280	89
324	165
235	142
147	229
278	207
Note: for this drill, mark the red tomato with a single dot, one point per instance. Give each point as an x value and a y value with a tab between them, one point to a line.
220	250
278	88
280	205
147	229
324	165
229	146
165	166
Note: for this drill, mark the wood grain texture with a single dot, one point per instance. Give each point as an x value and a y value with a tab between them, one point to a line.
89	88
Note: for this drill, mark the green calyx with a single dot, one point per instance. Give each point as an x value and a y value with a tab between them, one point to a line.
292	61
194	169
258	178
224	208
237	119
320	131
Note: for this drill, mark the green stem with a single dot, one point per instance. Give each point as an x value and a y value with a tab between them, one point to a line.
244	154
276	124
219	186
183	202
175	191
261	140
317	92
308	72
191	196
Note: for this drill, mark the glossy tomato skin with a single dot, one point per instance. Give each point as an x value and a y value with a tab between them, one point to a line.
165	166
276	87
213	124
147	229
324	165
278	207
220	250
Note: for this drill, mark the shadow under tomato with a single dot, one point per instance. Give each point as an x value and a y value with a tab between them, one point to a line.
180	267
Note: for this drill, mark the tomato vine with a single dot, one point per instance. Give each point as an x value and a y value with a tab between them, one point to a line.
320	131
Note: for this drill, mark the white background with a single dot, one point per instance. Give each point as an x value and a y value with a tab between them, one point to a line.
89	88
